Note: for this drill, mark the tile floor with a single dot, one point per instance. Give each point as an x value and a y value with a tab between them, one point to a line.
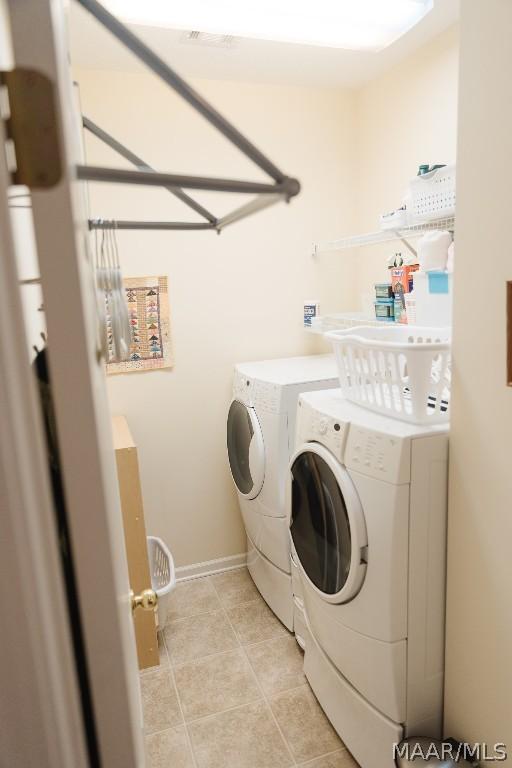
230	691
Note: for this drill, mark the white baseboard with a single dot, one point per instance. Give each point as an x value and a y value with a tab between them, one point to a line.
209	567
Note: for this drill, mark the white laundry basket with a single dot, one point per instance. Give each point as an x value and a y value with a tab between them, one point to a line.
433	195
163	575
397	371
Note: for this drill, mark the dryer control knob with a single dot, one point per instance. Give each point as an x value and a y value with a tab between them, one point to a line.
322	426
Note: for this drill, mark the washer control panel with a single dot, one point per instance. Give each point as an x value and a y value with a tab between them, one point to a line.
384	455
379	455
313	426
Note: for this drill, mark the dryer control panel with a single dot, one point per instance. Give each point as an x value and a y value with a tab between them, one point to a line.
267	397
313	426
243	388
261	395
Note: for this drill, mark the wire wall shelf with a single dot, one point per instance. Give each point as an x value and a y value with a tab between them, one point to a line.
340	321
385	236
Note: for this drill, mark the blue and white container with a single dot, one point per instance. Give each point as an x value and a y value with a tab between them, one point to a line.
433	292
311	310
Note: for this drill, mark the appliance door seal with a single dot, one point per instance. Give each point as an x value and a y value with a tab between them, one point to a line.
246	449
327	524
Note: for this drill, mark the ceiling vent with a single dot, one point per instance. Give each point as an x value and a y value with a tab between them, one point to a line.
209	39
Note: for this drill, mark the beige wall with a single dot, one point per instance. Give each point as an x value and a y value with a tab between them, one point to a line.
234	297
406	117
479	629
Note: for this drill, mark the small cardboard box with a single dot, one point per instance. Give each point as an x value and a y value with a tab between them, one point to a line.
403	276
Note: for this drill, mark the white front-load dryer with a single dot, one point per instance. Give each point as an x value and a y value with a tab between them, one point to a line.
367	514
260	438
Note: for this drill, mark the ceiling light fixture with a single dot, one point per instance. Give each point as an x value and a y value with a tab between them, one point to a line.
368	25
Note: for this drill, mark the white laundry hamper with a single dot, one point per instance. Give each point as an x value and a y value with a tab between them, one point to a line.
163	575
395	370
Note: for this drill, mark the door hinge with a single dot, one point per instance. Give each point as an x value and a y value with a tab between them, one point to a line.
33	147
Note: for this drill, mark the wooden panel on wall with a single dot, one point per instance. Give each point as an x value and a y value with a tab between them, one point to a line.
135	538
509	333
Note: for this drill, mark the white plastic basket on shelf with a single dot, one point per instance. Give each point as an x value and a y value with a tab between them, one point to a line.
163	575
433	195
398	371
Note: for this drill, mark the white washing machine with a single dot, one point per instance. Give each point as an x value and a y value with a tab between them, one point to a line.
367	500
260	438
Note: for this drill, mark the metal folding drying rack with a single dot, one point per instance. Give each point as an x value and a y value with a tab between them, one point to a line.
283	187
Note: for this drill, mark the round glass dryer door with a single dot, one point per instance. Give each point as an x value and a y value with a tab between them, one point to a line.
245	449
327	524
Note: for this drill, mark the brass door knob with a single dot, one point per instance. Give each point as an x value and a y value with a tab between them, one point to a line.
147	600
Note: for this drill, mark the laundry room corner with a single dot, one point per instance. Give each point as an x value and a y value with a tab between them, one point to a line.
403	116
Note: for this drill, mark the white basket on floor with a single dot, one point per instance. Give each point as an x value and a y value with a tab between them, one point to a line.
395	370
163	575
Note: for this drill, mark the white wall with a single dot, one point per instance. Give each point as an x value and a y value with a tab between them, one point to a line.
479	618
406	117
234	297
